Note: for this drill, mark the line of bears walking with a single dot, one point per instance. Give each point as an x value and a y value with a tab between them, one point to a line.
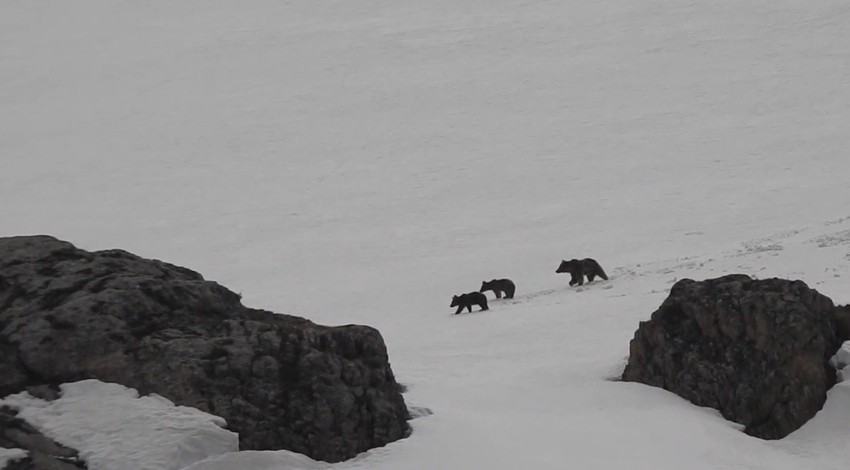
577	268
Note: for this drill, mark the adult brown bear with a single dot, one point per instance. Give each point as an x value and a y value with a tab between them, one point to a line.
579	268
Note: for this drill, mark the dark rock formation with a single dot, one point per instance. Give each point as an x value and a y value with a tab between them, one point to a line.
756	350
841	319
280	381
42	452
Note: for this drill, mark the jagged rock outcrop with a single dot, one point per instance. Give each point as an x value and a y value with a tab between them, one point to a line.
841	319
756	350
280	381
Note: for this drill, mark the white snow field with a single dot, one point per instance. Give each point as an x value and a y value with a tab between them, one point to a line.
114	428
841	362
362	161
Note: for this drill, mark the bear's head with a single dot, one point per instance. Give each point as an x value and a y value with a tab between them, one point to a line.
455	301
486	285
565	267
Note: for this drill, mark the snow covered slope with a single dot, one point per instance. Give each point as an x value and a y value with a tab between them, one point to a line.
363	161
113	428
529	384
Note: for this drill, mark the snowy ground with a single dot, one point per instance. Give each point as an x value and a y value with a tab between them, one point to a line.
363	161
11	455
114	428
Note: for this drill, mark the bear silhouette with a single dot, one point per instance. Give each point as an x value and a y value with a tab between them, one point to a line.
498	286
468	300
578	269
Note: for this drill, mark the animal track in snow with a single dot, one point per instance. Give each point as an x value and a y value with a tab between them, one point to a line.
831	239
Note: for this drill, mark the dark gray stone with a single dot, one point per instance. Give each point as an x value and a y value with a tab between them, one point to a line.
281	382
841	319
756	350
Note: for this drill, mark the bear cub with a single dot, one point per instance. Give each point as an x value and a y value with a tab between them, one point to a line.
468	300
498	286
579	268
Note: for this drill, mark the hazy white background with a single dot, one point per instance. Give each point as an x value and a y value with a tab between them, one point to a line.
362	161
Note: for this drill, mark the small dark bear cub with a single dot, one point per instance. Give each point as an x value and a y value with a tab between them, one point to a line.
468	300
578	268
498	286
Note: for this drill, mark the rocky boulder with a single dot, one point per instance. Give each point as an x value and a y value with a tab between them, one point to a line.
756	350
281	382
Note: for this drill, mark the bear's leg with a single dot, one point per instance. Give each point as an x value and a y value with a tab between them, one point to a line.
498	293
469	307
459	309
484	306
590	277
578	279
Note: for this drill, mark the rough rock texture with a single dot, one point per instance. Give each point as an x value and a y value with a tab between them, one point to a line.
756	350
281	382
841	319
42	452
